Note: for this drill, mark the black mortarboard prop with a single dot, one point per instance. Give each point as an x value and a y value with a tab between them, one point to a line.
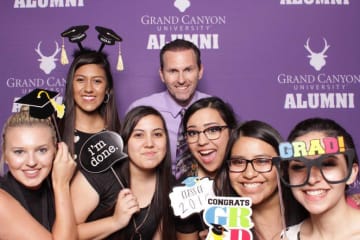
106	36
109	37
76	34
218	229
42	105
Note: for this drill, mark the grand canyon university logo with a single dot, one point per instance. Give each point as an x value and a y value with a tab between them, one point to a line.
182	5
47	63
317	60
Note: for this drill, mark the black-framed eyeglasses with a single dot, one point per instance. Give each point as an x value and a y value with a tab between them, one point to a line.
295	172
212	133
260	164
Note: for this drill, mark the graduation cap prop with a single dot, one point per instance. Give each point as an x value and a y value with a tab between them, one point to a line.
75	34
218	229
42	104
101	151
106	36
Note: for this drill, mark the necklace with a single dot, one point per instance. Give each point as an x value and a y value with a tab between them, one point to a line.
260	237
137	228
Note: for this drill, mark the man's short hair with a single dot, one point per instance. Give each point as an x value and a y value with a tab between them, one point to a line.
178	45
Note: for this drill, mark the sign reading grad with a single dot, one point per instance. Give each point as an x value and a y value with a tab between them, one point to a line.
101	151
229	218
317	146
191	197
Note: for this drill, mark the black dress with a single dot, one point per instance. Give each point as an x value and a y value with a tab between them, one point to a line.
108	187
39	202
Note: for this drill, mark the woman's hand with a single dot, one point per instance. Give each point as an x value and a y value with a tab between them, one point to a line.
203	234
126	206
63	166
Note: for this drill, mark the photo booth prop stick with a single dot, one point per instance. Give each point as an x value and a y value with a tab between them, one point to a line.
101	151
42	104
228	218
191	197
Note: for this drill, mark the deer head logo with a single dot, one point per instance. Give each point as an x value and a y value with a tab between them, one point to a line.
317	60
182	5
47	63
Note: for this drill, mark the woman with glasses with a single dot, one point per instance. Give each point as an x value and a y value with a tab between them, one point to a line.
249	172
318	176
208	123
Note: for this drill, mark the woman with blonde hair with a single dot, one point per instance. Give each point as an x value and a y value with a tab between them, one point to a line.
35	192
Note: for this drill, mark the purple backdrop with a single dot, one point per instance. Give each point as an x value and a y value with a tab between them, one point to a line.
253	52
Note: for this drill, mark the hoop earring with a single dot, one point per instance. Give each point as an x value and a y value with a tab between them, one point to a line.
107	98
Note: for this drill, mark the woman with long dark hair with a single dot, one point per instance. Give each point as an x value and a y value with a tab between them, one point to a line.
90	103
208	123
318	168
141	210
248	171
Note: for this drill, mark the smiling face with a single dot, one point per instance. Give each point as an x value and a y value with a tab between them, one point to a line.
208	153
29	152
89	87
260	187
181	74
318	196
147	143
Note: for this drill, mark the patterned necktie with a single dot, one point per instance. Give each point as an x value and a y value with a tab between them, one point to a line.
183	155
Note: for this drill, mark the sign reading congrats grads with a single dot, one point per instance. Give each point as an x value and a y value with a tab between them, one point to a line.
228	218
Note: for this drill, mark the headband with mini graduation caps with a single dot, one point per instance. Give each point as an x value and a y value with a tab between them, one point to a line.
76	34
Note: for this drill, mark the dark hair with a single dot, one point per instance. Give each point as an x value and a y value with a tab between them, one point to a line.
328	126
180	45
331	129
225	110
161	203
255	129
108	110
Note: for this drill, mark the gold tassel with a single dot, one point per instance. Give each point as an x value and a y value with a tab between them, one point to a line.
64	59
120	63
59	108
